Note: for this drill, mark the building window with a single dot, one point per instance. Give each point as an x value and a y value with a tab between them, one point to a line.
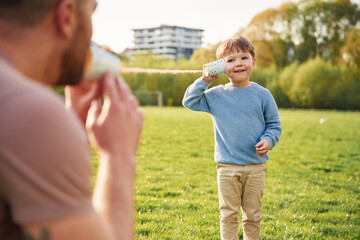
171	39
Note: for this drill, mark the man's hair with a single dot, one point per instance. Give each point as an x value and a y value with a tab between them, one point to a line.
235	44
25	13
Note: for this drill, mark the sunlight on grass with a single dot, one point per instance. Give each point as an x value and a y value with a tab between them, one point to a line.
312	186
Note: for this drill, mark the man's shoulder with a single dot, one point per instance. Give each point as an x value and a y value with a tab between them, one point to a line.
32	107
22	92
46	144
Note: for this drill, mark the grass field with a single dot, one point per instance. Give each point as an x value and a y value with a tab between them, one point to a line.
312	186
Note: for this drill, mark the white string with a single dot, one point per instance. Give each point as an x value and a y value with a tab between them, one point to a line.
162	71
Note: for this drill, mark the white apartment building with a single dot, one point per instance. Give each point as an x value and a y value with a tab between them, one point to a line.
167	41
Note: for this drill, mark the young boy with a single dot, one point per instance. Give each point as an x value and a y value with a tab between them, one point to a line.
246	126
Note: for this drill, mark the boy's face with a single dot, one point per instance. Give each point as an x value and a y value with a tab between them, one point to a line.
239	66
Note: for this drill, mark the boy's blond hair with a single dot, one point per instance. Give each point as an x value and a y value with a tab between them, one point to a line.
234	44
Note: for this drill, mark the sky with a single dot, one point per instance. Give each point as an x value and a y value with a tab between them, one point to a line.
113	20
220	19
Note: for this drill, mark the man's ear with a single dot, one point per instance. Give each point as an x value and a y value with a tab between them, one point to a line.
65	18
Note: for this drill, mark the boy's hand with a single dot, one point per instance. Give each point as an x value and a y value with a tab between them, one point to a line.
209	79
262	147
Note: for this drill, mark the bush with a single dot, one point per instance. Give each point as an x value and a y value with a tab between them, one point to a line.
315	84
172	86
264	76
287	76
349	97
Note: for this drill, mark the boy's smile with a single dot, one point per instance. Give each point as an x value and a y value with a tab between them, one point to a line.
239	66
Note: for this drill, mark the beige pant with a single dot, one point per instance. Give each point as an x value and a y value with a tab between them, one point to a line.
240	186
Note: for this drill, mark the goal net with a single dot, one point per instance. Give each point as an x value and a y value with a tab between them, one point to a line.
153	98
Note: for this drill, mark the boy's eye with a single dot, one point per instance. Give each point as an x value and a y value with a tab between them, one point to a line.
230	60
244	58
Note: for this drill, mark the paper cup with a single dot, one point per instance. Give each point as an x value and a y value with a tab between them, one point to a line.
213	68
98	61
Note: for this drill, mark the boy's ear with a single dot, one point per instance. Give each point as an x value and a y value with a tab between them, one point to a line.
254	60
65	18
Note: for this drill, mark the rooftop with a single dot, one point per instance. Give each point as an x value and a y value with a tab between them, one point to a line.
165	25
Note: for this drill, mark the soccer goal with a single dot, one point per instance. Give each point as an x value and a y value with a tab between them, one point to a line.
145	97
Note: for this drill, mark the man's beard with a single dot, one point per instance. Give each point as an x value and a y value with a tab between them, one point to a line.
72	66
71	69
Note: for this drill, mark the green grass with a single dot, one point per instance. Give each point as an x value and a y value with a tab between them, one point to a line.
312	186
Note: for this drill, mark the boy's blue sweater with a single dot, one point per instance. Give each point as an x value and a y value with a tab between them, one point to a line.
241	116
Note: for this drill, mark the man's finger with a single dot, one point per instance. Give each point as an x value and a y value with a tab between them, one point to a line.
110	88
124	91
94	113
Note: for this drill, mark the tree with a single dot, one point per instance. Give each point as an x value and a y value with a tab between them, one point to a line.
271	34
303	30
203	55
324	28
351	49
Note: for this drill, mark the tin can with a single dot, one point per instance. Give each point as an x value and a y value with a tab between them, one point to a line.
98	61
213	68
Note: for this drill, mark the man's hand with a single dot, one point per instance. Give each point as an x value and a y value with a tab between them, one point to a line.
262	147
115	127
78	98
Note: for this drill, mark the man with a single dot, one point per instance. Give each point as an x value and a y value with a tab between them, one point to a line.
45	171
